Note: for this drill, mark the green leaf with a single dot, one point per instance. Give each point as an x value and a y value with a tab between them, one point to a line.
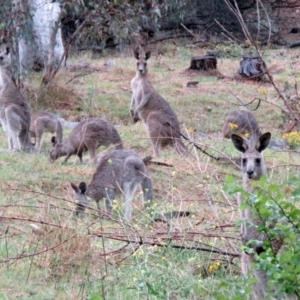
295	214
263	180
229	179
296	193
273	188
294	181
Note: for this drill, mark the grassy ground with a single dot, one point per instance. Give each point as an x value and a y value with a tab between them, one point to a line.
47	253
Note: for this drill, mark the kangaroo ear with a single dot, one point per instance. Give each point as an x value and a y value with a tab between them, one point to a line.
147	54
53	141
239	143
263	142
136	53
75	187
82	187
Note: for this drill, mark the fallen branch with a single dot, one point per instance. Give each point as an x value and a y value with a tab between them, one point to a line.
143	242
294	45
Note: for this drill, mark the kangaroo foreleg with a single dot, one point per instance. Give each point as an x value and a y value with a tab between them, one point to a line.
144	101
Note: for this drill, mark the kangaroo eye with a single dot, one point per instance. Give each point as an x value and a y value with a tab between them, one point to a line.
257	161
1	57
244	161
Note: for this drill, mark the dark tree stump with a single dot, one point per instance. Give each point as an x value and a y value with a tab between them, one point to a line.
252	67
203	63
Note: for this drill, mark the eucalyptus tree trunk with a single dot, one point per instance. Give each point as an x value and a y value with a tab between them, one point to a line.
41	45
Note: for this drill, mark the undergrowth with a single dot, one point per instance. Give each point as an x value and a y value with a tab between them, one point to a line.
48	253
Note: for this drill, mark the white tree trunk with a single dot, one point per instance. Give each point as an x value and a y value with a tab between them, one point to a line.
45	47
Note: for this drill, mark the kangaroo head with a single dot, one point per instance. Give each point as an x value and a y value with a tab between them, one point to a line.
80	191
55	152
5	59
253	165
80	196
141	65
53	155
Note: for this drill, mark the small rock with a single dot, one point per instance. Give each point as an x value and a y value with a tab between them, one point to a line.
110	63
192	84
277	144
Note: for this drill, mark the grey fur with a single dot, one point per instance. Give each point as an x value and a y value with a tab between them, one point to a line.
245	121
119	171
154	110
14	109
88	135
42	121
253	167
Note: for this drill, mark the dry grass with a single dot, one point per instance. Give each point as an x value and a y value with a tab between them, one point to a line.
77	252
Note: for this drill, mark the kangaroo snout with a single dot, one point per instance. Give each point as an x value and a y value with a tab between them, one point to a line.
250	174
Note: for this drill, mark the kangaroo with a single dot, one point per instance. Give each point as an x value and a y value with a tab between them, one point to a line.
43	121
253	167
14	109
88	135
119	171
161	122
240	122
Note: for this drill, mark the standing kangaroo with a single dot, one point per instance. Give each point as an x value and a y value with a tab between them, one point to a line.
161	121
253	167
14	109
119	171
240	122
88	135
43	121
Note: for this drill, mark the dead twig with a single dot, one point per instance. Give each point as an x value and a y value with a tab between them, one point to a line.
81	75
149	243
235	10
194	144
196	36
148	160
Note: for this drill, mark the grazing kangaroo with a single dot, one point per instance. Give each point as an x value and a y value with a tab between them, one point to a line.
88	135
14	109
161	121
119	171
42	121
240	122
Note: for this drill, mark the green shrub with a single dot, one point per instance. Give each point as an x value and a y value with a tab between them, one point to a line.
277	207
